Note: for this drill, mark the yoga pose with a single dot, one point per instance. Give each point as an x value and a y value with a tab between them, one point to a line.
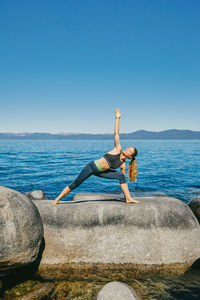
104	167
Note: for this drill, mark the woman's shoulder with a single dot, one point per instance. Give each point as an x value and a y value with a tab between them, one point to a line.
116	150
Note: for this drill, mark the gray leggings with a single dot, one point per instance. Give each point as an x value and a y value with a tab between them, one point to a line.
91	169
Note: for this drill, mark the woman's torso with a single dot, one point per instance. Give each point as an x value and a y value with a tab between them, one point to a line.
110	160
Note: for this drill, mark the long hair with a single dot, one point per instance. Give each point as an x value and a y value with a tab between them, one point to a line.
132	168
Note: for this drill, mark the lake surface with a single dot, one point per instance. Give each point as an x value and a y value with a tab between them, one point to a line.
169	167
165	167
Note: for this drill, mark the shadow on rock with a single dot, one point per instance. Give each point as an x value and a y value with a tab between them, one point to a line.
13	277
92	201
196	264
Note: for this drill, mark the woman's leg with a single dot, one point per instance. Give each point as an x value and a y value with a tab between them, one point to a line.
64	193
112	174
125	190
84	174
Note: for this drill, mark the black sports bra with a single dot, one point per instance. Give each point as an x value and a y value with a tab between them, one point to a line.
113	160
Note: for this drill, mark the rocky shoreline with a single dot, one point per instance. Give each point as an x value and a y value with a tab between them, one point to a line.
98	233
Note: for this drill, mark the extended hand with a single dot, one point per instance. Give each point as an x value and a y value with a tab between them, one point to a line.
117	113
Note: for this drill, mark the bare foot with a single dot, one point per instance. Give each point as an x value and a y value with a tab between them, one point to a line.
55	202
131	200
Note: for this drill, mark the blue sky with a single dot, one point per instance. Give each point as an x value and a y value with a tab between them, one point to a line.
65	65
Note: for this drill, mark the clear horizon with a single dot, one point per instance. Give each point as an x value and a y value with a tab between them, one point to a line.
65	66
68	133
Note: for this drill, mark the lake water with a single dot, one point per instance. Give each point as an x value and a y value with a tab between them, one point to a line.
164	166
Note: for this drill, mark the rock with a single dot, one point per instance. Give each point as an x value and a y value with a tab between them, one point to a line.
117	291
21	230
89	197
195	207
39	195
158	232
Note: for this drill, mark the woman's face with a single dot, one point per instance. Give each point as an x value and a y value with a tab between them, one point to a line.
128	152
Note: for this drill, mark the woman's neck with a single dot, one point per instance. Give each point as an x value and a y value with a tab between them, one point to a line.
123	157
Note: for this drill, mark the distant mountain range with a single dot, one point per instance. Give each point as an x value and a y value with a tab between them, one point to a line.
172	134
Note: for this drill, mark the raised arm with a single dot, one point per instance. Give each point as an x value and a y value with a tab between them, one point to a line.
116	130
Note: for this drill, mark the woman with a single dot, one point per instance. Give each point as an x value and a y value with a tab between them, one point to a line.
104	166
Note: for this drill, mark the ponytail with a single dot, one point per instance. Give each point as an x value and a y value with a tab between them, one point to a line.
132	170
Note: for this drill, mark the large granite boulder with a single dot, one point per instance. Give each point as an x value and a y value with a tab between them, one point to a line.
21	230
94	229
195	207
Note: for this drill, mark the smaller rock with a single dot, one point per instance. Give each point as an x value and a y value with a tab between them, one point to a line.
195	207
37	195
118	291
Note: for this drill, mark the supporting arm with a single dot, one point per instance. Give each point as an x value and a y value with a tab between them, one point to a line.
123	169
